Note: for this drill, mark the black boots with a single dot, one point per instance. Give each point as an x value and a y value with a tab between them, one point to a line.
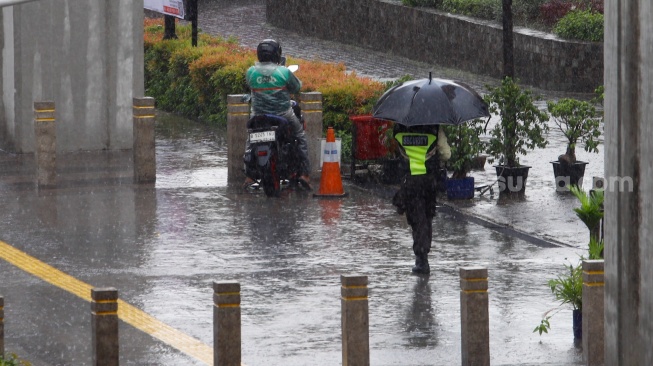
421	264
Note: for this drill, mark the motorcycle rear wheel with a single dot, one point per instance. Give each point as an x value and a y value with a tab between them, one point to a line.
270	181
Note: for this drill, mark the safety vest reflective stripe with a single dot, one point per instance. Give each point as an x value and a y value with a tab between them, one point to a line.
330	152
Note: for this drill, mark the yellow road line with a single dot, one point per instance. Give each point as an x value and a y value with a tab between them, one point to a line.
126	312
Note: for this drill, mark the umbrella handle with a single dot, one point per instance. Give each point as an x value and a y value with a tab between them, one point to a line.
486	123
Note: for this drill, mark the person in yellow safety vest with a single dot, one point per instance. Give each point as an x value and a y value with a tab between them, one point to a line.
423	147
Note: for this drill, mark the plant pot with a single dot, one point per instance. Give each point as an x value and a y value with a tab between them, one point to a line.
458	189
566	174
512	180
392	171
479	162
577	316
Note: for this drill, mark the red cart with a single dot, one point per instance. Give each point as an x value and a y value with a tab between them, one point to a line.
368	134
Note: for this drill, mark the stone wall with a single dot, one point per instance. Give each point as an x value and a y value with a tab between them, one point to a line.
541	60
86	56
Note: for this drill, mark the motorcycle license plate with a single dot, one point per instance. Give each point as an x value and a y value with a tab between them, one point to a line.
264	136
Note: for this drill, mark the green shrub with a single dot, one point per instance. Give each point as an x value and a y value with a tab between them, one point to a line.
483	9
346	145
12	360
466	144
537	14
181	95
582	25
526	10
195	81
523	11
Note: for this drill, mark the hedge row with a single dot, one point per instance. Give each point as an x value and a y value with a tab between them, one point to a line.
195	81
569	19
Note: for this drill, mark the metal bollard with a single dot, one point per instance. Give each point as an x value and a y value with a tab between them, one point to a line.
144	147
237	117
355	321
2	326
474	316
593	313
226	324
104	318
311	104
46	143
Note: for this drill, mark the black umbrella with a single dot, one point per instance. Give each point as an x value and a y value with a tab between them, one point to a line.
430	102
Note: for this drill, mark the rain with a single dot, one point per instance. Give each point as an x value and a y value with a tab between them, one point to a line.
163	244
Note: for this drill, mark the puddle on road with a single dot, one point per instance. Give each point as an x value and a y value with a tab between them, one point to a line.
189	155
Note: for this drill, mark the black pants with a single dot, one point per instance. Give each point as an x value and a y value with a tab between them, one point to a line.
417	198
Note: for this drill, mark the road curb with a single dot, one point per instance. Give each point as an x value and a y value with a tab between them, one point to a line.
447	207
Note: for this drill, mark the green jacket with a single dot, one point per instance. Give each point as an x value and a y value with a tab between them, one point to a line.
271	85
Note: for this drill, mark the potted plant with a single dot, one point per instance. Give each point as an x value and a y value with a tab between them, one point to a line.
568	287
590	213
522	127
578	122
466	144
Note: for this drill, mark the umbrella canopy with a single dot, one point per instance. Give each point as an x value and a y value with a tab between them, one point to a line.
430	102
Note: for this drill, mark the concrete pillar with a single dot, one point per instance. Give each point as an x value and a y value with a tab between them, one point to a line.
474	317
104	318
2	326
355	321
45	133
226	324
628	113
144	146
593	314
237	116
47	56
311	104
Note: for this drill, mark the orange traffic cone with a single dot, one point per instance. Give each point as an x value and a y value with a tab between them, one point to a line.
330	182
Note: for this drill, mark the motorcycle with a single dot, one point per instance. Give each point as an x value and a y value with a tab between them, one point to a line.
272	158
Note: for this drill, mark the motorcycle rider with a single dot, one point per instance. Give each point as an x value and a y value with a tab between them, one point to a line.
271	85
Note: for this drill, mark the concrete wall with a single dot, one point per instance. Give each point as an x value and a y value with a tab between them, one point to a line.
86	56
541	60
629	153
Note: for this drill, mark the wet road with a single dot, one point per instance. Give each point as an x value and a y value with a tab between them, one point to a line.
162	246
